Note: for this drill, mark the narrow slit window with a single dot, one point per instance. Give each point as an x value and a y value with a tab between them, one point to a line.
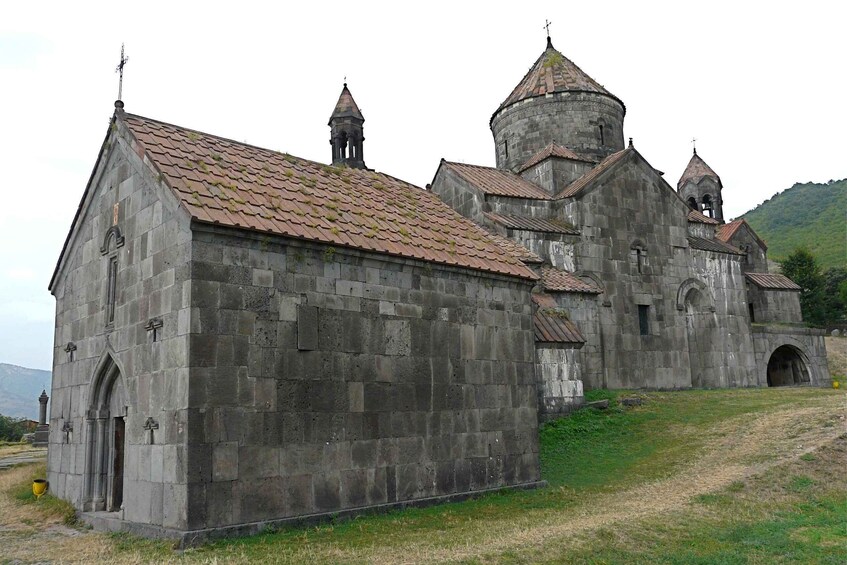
602	137
752	312
639	257
111	291
506	148
644	319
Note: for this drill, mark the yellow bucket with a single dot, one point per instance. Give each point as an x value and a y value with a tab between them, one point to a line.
39	487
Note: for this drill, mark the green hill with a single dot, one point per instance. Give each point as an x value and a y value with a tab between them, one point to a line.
812	215
19	390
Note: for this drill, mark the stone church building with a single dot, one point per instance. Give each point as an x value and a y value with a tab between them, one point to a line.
244	337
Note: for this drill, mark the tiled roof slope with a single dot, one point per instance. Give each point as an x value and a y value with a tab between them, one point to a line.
701	218
726	231
772	281
696	170
551	323
532	224
224	182
556	280
713	245
516	249
553	72
576	186
346	106
497	182
552	150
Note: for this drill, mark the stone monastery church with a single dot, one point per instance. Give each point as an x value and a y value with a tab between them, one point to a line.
244	337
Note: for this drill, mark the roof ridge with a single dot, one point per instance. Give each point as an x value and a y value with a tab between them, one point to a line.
580	183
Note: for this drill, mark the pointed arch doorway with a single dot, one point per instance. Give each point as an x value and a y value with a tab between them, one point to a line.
105	433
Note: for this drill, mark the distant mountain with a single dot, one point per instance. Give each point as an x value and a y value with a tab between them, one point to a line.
812	215
19	390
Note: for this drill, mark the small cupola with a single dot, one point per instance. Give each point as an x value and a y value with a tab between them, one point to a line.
347	132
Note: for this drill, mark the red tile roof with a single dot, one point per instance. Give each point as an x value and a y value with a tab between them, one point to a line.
556	280
553	72
220	181
713	245
532	224
515	249
552	150
701	218
552	324
346	106
772	281
696	170
727	231
497	182
579	184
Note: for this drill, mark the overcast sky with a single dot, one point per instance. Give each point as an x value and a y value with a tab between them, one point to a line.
761	86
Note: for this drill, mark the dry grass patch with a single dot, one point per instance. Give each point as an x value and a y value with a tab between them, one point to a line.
836	356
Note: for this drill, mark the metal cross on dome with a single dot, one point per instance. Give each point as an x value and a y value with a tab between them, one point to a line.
694	144
120	69
547	26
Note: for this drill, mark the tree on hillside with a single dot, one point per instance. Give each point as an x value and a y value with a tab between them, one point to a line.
835	305
802	267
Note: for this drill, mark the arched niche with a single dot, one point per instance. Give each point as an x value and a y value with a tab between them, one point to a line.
702	297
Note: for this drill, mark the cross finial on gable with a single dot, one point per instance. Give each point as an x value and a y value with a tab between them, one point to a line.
547	27
120	70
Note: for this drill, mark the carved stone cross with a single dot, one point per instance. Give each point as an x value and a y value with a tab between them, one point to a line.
69	349
150	424
154	325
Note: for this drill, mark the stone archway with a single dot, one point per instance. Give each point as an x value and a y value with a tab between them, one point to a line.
105	433
695	301
787	366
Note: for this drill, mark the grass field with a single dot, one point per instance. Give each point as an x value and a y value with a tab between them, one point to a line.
724	476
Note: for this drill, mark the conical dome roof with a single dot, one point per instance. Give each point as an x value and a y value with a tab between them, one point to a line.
553	72
346	106
696	170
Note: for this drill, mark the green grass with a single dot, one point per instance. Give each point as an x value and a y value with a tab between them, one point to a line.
48	503
793	513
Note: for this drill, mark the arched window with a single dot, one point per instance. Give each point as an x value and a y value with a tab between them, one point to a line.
707	206
693	203
602	137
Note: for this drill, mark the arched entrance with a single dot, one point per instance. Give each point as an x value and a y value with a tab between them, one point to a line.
105	439
787	367
695	301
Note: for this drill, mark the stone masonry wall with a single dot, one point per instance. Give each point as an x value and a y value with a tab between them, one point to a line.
323	380
560	380
459	194
775	306
807	342
151	283
569	118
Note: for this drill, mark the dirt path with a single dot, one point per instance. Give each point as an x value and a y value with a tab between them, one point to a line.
731	455
30	455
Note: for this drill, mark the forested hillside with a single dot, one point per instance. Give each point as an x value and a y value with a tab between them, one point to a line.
810	215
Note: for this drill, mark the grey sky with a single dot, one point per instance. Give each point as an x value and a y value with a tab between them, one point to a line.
761	86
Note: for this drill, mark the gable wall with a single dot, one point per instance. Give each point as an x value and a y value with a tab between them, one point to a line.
459	194
151	282
325	380
757	257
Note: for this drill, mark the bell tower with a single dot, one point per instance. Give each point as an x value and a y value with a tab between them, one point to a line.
347	132
701	187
